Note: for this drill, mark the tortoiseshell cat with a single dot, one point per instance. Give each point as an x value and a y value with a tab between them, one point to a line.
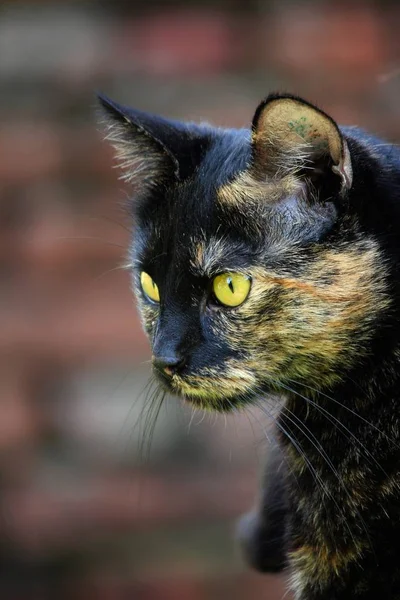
267	261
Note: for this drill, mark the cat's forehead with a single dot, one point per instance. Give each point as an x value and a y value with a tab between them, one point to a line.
193	233
223	214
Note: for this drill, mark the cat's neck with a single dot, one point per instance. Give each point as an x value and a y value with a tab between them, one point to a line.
366	403
343	461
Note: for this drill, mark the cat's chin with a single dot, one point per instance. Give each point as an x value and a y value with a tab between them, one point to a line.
213	402
224	397
222	405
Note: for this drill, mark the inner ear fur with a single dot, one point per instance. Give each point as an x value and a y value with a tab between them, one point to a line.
289	135
152	151
142	157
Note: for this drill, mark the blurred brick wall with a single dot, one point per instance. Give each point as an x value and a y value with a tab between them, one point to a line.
85	512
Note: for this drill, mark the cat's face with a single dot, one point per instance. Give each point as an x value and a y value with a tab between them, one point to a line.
247	273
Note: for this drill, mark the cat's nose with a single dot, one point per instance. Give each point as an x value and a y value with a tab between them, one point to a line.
169	364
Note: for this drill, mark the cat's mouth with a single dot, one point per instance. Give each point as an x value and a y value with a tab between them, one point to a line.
213	391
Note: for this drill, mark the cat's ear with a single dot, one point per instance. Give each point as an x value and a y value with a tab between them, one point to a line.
289	135
151	151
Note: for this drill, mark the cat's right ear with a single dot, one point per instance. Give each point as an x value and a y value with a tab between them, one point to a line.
291	136
151	151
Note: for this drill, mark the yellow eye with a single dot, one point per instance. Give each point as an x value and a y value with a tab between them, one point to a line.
149	287
231	289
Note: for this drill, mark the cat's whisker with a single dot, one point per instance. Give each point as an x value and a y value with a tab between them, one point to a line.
350	410
268	438
125	267
110	220
192	415
338	423
296	444
89	239
153	408
203	416
226	423
142	393
247	412
216	419
157	256
300	425
317	445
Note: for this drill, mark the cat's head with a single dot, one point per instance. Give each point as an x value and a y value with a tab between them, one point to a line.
249	268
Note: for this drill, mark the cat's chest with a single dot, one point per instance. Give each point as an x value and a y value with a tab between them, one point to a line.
340	522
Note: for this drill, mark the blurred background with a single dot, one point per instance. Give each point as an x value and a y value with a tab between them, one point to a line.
89	509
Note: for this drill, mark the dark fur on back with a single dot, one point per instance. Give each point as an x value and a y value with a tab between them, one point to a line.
311	214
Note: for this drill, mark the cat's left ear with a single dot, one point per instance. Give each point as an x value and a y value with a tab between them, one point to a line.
152	151
289	135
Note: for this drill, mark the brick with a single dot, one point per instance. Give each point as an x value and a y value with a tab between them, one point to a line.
42	520
28	150
346	38
176	42
66	39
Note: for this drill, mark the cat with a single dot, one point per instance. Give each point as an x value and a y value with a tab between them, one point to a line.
266	264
